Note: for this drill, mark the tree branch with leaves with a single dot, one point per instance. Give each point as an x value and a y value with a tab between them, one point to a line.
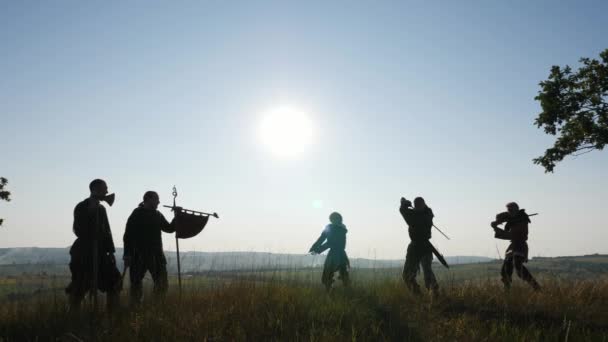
4	194
575	109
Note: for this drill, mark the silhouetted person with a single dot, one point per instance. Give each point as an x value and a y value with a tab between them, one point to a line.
333	238
143	246
93	232
516	230
419	252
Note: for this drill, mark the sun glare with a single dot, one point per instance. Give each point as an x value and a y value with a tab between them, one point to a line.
287	132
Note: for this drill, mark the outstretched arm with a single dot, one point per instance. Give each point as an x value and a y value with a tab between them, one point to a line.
316	247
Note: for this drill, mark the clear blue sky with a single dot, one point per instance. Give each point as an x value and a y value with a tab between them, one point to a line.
409	98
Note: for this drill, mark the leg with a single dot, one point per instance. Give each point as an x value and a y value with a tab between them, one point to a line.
110	282
332	264
327	278
429	277
344	276
507	271
523	272
78	287
136	276
410	268
158	270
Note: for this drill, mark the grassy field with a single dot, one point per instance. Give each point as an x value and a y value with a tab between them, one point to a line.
291	305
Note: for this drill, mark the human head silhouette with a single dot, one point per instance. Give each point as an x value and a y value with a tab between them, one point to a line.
98	188
335	218
151	200
512	208
419	203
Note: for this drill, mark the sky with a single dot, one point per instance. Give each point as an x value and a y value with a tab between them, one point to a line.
405	98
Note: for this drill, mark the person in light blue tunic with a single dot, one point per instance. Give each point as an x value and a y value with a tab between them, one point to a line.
333	238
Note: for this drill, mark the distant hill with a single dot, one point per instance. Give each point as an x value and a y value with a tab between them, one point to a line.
54	261
34	255
218	261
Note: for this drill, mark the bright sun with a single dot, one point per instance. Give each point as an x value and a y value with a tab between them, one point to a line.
287	132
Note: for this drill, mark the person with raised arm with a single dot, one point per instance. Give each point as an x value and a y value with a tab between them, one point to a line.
419	219
516	230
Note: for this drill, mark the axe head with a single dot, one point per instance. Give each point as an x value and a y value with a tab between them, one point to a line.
109	199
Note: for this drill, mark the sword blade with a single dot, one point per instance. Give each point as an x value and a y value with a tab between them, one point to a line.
442	233
439	256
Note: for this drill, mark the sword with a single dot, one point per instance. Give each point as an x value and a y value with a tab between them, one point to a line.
439	230
439	256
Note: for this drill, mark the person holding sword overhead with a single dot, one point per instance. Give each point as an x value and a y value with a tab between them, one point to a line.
419	219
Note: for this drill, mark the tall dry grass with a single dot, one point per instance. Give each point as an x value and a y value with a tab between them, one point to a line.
256	307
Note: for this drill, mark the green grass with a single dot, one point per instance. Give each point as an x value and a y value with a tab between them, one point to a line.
291	305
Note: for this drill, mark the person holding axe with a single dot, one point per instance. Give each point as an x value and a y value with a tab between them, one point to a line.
516	230
419	219
143	247
92	261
